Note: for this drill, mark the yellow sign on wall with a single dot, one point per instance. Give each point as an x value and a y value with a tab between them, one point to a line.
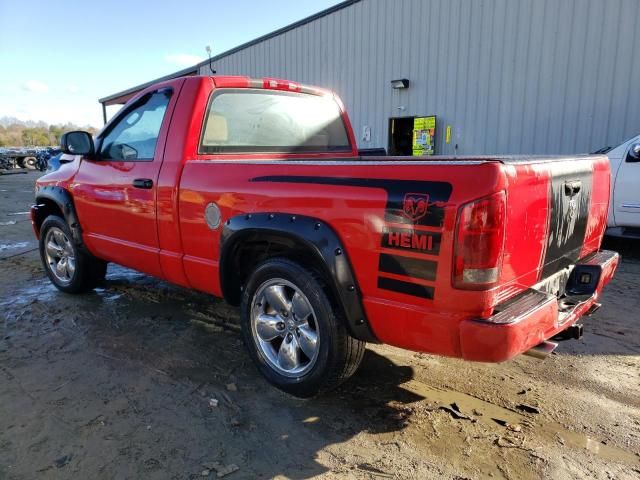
424	136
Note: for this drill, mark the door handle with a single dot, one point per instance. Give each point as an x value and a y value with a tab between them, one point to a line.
145	183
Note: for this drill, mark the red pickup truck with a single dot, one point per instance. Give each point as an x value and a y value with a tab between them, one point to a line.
254	191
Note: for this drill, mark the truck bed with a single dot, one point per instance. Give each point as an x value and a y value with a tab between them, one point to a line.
453	160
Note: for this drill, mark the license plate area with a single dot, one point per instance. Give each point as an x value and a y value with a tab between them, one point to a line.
570	288
583	280
576	284
559	285
555	284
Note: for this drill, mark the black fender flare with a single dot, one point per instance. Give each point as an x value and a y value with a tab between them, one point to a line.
315	236
63	199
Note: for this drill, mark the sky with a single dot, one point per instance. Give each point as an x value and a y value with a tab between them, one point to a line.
58	58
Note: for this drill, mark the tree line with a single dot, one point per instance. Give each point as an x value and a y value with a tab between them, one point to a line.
20	134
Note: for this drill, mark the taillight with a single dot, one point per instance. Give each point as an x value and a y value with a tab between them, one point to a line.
479	243
278	84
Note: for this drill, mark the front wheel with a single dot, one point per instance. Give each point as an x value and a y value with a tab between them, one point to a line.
294	332
69	268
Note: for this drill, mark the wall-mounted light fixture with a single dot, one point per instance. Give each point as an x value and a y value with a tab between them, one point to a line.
400	83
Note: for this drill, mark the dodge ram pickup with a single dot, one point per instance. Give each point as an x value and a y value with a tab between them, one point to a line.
253	191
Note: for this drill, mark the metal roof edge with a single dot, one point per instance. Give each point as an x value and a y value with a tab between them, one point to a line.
280	31
142	86
255	41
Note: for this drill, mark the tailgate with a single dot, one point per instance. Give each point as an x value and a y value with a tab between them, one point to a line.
557	216
570	188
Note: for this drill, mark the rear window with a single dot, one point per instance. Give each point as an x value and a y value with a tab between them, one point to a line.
247	120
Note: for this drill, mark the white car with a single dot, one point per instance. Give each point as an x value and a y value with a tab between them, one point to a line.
624	206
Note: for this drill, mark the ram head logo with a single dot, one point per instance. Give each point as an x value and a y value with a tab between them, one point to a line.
415	206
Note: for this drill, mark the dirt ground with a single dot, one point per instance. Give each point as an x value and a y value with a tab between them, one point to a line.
121	384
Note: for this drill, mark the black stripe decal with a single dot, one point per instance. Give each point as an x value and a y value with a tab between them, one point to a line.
407	288
410	267
436	194
569	217
411	240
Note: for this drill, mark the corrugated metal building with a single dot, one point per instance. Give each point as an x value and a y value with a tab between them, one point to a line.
508	76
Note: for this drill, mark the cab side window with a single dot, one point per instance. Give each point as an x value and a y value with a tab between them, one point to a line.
135	135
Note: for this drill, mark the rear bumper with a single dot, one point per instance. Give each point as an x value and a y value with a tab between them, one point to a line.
534	316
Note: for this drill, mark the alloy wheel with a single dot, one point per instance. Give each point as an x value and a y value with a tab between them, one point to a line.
60	256
284	327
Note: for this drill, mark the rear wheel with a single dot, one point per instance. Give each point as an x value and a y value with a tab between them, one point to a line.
294	332
69	268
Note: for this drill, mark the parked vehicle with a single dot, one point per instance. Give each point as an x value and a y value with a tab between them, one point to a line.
57	160
6	162
42	160
53	163
22	157
624	205
253	190
30	158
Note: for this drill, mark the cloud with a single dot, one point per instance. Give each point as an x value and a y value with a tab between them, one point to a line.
35	86
54	111
73	88
183	59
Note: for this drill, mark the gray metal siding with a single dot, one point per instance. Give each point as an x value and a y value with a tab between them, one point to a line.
509	76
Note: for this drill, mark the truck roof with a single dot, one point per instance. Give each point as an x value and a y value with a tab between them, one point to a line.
270	83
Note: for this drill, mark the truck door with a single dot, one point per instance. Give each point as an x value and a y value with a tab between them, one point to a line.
115	191
626	194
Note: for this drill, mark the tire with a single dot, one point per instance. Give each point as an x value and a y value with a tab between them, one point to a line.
280	341
70	268
30	163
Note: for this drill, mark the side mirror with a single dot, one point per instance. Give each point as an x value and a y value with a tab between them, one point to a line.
634	153
77	143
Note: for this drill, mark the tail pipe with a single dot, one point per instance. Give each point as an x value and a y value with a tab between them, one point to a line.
542	350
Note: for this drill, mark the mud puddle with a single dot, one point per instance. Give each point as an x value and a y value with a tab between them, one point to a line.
13	245
491	415
43	291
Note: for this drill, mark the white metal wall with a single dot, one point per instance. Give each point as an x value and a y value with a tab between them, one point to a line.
509	76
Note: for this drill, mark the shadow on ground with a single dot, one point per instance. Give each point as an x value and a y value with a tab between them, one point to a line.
146	362
119	383
628	248
613	329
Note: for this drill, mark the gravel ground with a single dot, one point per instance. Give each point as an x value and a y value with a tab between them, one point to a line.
142	379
